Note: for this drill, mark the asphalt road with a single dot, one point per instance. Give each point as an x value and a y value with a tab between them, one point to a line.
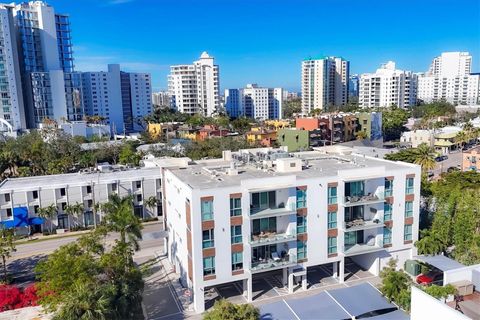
454	160
21	263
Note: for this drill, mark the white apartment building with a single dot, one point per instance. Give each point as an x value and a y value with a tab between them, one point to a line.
254	102
264	210
449	78
324	83
120	97
161	99
388	86
194	88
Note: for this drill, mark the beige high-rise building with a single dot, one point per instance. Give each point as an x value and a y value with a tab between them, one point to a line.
324	83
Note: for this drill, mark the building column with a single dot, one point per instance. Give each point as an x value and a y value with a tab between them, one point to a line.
247	289
285	276
290	283
341	266
304	280
335	270
199	299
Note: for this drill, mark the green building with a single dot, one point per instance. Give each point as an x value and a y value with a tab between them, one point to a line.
294	139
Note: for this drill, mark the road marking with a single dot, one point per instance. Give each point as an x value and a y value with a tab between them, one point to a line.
291	310
168	315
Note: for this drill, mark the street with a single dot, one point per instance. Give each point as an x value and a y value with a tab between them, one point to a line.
22	262
454	160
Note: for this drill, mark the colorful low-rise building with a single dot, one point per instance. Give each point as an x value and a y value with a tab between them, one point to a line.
262	136
294	139
470	159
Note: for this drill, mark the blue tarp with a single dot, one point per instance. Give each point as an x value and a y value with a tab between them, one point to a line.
21	219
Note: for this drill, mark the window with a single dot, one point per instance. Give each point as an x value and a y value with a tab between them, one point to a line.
387	235
235	207
355	189
236	233
9	212
207	210
64	205
89	189
35	194
138	211
407	235
332	220
63	192
387	212
88	218
301	224
208	239
208	266
388	188
138	184
114	187
264	225
89	203
139	197
332	245
237	261
263	200
301	250
35	208
332	195
301	198
7	197
409	186
408	209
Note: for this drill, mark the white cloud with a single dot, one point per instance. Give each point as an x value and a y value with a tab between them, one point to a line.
115	2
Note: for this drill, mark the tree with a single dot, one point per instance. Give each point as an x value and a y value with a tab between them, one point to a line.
7	246
128	155
48	213
151	202
425	156
430	243
439	292
361	135
394	283
291	107
225	310
74	209
242	124
393	121
120	218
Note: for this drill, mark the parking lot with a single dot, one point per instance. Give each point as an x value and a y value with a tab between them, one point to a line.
268	286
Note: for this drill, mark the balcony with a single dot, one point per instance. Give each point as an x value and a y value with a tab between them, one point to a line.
361	248
279	210
350	201
266	238
275	262
363	224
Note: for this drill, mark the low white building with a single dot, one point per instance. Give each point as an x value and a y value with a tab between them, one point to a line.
264	210
84	129
417	137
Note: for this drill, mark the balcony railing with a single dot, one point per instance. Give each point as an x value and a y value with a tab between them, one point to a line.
365	199
362	224
271	263
360	248
272	237
271	211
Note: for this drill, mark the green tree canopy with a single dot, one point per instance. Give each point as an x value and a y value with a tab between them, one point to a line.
225	310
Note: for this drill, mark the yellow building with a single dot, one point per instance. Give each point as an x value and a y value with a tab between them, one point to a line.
262	136
155	130
277	124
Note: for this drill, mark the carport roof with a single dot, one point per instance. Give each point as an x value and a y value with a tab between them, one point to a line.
440	262
345	303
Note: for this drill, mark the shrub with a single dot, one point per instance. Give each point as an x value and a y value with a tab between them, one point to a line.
12	297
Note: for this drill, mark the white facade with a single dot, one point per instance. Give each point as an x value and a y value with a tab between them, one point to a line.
120	97
417	137
161	99
11	99
388	86
214	239
324	83
254	102
449	78
195	88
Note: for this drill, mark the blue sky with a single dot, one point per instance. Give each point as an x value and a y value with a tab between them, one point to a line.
264	41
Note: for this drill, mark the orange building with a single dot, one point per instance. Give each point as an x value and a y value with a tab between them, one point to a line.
307	123
470	159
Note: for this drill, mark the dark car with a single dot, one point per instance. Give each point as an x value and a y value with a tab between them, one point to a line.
444	157
438	159
453	169
432	276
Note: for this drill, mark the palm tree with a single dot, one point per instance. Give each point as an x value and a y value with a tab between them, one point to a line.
48	213
121	218
361	135
74	209
151	202
425	156
461	138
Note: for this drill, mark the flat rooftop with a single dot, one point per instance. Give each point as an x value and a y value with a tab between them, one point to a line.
61	180
214	173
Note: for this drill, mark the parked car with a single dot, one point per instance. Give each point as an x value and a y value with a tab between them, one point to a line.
452	169
430	174
432	276
444	157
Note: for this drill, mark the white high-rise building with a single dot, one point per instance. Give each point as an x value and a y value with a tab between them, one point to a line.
254	102
120	97
194	88
12	112
388	86
449	78
324	83
161	99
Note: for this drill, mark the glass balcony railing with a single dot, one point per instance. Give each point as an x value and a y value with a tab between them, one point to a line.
273	237
279	209
362	223
272	263
365	199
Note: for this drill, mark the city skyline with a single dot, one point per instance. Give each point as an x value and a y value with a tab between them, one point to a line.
274	60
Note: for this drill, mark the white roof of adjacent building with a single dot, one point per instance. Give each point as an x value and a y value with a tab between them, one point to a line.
440	262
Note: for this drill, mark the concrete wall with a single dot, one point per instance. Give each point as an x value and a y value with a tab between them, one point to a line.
424	306
460	274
